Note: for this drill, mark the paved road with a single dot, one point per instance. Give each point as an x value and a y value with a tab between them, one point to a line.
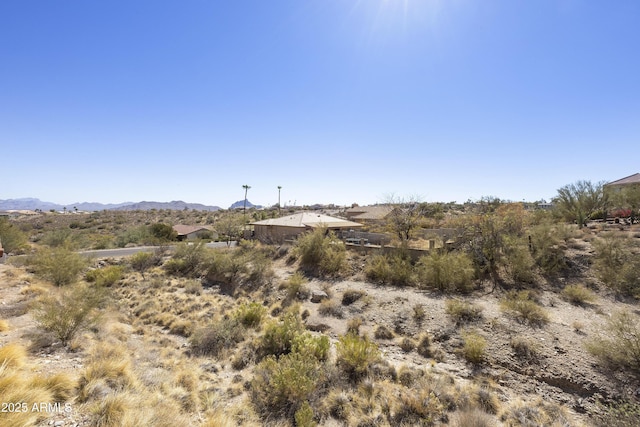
113	253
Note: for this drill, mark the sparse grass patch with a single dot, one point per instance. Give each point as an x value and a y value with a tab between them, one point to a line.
474	346
212	339
538	413
473	417
383	333
523	307
525	347
330	308
193	287
462	311
578	294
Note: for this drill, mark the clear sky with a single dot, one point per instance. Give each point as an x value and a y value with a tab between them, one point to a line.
337	101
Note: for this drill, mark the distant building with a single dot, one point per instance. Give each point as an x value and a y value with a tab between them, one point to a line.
194	232
277	230
369	214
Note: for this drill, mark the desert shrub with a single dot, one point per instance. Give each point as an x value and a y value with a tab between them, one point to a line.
12	355
617	265
546	246
623	414
474	347
407	344
523	307
278	336
356	354
525	347
462	311
106	276
330	308
12	238
424	346
60	266
251	315
618	341
351	295
536	413
134	236
473	418
260	267
142	261
226	267
393	270
60	237
353	325
311	346
446	271
518	261
69	311
211	340
321	252
420	407
383	333
296	287
419	313
304	416
578	294
163	232
280	386
188	260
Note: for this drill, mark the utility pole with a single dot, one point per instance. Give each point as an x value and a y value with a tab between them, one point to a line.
279	188
244	209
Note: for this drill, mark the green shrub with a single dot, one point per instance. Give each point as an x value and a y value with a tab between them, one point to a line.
320	252
281	386
474	347
462	311
546	247
106	276
304	416
142	261
390	270
279	336
356	354
163	232
311	346
446	271
211	340
617	265
618	342
73	309
523	307
251	315
518	261
61	266
188	260
578	294
12	238
296	288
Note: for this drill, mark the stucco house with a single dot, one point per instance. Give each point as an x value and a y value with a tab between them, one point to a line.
624	182
194	232
277	230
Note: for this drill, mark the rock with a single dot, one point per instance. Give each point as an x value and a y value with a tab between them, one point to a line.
58	423
318	296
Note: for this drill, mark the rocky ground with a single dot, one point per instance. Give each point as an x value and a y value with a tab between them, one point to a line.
559	369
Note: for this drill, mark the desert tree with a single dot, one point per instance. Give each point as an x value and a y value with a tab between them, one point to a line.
142	261
405	216
580	200
229	226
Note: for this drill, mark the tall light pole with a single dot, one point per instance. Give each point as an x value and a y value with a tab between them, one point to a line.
279	188
244	209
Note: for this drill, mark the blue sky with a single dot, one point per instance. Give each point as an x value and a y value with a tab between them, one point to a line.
337	101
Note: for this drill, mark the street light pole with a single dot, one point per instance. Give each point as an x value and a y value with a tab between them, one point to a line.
244	209
279	188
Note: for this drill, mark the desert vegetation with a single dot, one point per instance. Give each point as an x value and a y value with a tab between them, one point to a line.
522	319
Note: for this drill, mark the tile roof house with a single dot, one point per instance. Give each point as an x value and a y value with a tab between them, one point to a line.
277	230
369	214
629	180
193	232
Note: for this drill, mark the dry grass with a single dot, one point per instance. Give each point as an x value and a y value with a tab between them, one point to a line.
4	326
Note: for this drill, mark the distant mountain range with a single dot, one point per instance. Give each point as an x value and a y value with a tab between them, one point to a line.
33	204
240	204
